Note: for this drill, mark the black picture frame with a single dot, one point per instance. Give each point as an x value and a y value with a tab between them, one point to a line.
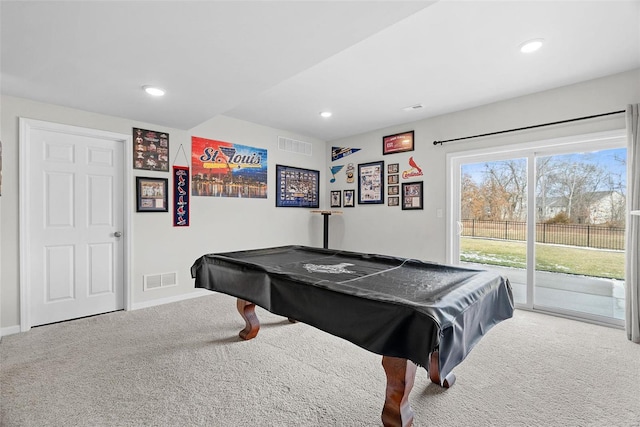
398	143
412	195
371	183
349	197
336	199
393	168
297	187
152	194
394	201
150	150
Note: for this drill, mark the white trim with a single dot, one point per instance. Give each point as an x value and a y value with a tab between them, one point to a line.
197	293
128	222
9	330
23	185
531	230
25	126
452	180
597	140
160	301
582	317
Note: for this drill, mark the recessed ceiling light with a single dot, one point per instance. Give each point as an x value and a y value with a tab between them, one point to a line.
531	45
326	114
153	91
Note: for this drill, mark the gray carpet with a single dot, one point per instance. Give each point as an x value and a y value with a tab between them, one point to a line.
182	364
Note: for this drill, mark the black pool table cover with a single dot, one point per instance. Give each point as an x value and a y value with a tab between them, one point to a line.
390	306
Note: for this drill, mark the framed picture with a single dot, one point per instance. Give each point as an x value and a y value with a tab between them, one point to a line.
398	143
226	169
349	198
393	190
371	183
412	195
152	194
150	150
393	168
297	187
393	179
336	199
394	201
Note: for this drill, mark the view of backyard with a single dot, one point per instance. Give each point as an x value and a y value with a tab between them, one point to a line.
559	259
577	202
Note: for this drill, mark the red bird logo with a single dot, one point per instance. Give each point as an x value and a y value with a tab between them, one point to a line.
413	164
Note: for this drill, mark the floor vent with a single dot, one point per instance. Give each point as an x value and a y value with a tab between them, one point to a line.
294	146
156	281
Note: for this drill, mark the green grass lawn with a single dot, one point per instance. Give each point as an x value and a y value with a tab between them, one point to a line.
554	258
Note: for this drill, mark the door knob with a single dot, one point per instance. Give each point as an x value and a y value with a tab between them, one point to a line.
117	234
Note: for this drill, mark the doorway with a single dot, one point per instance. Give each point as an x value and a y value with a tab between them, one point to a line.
550	216
74	233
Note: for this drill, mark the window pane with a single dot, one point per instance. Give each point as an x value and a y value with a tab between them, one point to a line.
494	219
580	230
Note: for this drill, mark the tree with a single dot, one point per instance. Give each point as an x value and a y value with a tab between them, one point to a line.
472	200
505	188
577	183
543	167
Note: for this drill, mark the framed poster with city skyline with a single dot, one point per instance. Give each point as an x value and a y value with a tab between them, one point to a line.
225	169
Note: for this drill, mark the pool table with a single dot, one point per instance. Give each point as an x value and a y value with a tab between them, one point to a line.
412	313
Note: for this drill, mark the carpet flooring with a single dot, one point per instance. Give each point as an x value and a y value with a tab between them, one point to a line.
182	364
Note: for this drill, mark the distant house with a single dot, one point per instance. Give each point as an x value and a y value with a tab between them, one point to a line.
597	207
607	206
551	206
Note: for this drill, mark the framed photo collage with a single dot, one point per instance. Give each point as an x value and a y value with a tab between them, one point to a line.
372	177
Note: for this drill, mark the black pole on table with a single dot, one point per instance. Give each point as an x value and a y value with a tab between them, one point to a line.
326	229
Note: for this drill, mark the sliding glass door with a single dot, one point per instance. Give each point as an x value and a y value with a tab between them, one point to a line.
551	217
580	230
493	218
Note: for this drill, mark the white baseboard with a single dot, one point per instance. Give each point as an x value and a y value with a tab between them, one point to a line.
160	301
10	330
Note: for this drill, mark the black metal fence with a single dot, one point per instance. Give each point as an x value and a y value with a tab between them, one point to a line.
590	236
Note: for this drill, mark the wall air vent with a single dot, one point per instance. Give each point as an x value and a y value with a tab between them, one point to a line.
157	281
294	146
414	107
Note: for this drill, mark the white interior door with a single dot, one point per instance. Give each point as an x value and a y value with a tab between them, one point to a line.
75	220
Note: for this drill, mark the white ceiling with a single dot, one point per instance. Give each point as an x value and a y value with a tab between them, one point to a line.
280	63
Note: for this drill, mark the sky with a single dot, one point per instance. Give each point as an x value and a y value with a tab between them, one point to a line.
606	159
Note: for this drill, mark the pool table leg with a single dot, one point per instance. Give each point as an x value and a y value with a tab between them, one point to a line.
434	372
248	312
401	374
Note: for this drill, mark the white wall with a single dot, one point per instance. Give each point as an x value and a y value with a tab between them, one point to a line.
421	233
216	224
